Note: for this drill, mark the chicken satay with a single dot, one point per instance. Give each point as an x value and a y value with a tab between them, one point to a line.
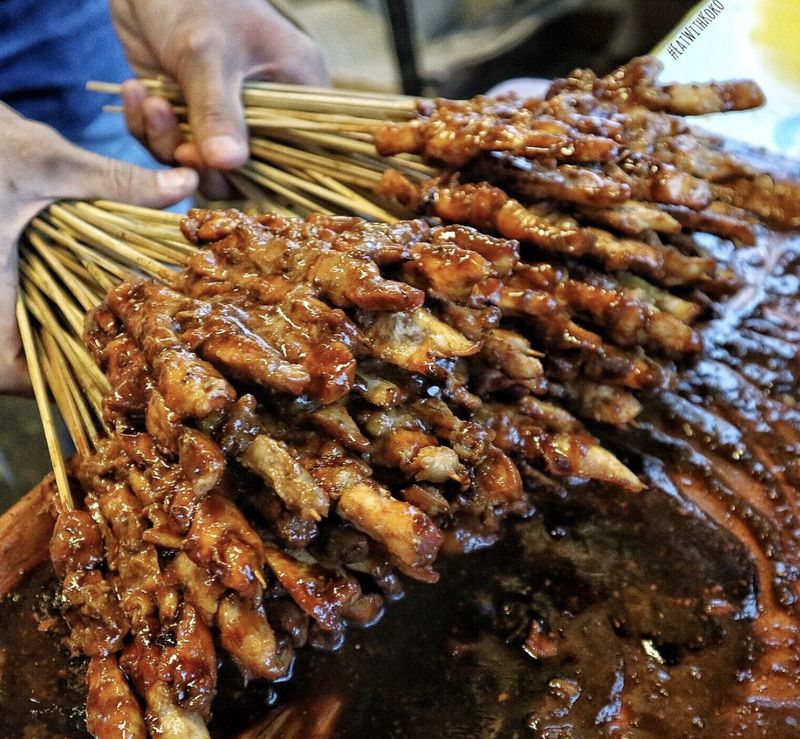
202	465
468	440
89	604
247	636
414	340
112	711
484	206
662	264
649	179
497	485
718	218
489	207
401	440
691	153
76	543
475	323
618	367
274	462
200	587
143	661
635	84
454	132
220	335
512	354
628	321
603	403
409	535
321	593
550	319
710	97
221	540
548	415
445	271
344	278
336	421
124	366
564	454
191	387
90	608
632	218
190	664
682	309
776	202
502	254
568	183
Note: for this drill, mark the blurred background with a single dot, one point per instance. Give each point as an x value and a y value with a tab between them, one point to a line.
458	48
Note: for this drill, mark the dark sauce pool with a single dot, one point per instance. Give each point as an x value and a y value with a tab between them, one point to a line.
642	605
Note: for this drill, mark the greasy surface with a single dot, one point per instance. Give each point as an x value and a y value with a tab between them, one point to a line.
604	584
463	666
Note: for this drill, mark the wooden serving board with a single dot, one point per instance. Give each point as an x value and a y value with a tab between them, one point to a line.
25	530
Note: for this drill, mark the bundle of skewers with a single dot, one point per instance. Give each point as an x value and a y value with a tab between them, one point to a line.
274	416
610	192
270	428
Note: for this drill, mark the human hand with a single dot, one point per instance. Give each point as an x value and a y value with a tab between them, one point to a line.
209	48
39	166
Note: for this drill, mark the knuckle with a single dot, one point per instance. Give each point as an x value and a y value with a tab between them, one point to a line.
213	113
119	177
196	44
306	58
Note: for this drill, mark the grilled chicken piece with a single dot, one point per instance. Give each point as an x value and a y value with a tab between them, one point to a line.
112	711
221	540
248	637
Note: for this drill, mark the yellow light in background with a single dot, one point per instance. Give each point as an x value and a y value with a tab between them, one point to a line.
776	35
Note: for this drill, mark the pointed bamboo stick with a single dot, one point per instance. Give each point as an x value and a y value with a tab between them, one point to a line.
33	268
291	195
85	254
140	235
139	212
43	403
55	371
101	239
82	293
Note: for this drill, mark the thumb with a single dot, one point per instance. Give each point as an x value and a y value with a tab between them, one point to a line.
216	115
97	177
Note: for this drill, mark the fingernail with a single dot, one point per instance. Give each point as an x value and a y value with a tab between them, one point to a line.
223	151
178	181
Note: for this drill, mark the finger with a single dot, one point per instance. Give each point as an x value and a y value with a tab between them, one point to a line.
163	130
14	374
92	176
303	64
188	155
216	114
214	185
133	97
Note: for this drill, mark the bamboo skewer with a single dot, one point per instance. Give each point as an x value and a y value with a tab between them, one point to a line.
82	293
56	373
81	360
43	403
131	256
85	255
